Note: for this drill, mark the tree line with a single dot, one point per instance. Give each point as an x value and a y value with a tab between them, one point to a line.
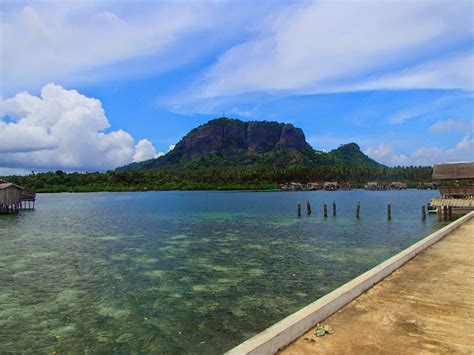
219	178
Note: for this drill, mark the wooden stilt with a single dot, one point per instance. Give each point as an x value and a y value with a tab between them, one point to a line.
358	210
423	213
308	208
438	213
389	211
445	213
450	213
298	209
325	210
334	208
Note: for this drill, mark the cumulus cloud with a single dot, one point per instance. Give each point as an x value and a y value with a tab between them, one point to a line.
144	150
330	46
462	151
63	129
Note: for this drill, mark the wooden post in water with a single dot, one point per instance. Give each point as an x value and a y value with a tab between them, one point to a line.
389	211
298	208
438	213
445	213
334	208
325	209
450	213
308	208
423	213
358	210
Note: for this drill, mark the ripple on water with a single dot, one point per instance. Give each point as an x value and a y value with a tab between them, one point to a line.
63	331
157	274
109	311
145	260
68	296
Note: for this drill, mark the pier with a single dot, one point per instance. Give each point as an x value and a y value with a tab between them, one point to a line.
425	306
420	300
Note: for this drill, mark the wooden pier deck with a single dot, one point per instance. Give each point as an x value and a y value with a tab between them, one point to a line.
426	306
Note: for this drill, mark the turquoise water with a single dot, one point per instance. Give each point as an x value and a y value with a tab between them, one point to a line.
184	272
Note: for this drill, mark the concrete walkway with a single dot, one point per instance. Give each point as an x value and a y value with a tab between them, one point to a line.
426	306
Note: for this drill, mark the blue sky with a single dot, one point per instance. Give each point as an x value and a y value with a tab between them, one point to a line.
95	85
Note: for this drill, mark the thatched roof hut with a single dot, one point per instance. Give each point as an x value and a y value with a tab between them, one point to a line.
454	171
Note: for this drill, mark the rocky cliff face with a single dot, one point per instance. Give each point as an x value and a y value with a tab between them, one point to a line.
226	142
226	136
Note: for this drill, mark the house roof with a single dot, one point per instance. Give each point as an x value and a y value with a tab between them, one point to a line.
9	184
453	171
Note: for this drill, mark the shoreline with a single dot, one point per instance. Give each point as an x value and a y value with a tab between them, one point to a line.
227	190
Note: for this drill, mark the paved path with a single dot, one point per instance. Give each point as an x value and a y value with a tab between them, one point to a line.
427	306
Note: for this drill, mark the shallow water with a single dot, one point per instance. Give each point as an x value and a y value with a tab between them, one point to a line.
184	272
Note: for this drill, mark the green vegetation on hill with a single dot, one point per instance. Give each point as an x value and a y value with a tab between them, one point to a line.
216	178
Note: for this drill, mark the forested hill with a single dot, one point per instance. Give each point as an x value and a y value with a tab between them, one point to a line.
231	143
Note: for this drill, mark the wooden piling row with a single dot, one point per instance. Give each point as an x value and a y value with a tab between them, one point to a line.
443	213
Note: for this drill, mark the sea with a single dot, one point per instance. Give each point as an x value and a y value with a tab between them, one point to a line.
185	272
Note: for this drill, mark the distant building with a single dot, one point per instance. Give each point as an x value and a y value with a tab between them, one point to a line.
10	197
14	197
456	180
331	186
314	186
426	186
292	186
376	186
456	186
398	185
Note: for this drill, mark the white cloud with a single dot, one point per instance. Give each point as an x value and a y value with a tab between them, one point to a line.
462	151
88	41
455	72
63	129
328	46
67	41
144	150
307	46
450	125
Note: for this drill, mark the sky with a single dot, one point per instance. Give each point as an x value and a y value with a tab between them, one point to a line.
93	85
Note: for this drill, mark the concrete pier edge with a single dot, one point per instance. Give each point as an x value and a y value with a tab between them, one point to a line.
290	328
